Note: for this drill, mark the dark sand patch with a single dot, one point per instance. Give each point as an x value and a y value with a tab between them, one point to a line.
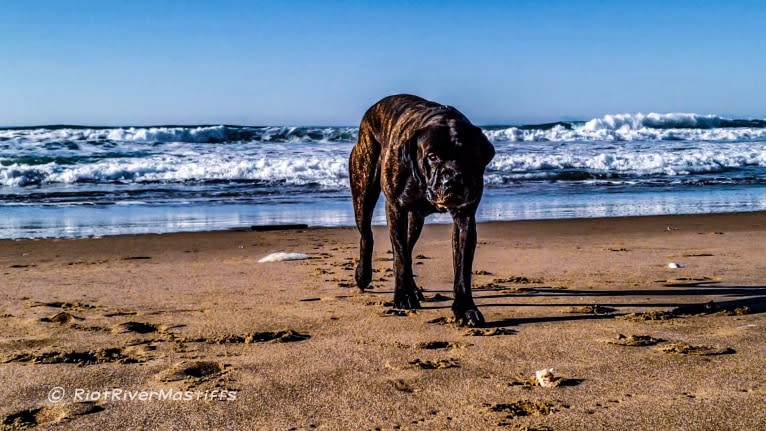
710	307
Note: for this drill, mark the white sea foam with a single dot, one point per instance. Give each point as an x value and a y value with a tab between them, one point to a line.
630	127
623	144
189	134
640	127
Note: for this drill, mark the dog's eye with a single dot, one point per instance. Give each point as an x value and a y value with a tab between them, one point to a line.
432	157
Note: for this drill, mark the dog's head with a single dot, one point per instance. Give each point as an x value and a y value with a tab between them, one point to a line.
448	159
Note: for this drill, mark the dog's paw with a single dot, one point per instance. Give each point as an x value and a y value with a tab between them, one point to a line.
363	277
471	318
420	296
406	300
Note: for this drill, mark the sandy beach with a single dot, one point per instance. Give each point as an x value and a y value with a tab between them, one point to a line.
633	343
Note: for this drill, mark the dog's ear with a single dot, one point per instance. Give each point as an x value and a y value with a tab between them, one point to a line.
486	149
410	156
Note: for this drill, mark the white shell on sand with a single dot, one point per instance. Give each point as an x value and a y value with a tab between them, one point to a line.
674	265
545	378
282	256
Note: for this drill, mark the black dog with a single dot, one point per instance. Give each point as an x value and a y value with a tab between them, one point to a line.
427	158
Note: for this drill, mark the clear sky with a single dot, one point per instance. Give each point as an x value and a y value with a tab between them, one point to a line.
324	62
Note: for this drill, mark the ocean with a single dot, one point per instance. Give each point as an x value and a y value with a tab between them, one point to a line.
73	181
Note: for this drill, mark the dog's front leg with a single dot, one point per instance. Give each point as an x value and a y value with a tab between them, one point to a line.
463	247
405	295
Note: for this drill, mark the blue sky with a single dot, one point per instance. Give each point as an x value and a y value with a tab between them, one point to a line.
314	62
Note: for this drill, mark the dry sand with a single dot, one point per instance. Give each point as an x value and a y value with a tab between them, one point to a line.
633	344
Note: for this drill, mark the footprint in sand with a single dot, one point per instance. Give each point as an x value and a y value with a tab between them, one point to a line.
398	312
284	336
589	309
437	364
522	408
50	414
647	316
192	370
438	345
194	373
82	358
67	306
402	386
120	313
381	302
437	298
137	327
62	318
635	340
443	321
489	332
688	349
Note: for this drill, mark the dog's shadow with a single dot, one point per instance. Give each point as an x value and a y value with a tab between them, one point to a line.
752	299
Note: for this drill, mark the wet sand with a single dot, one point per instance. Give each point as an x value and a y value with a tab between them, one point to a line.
290	345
